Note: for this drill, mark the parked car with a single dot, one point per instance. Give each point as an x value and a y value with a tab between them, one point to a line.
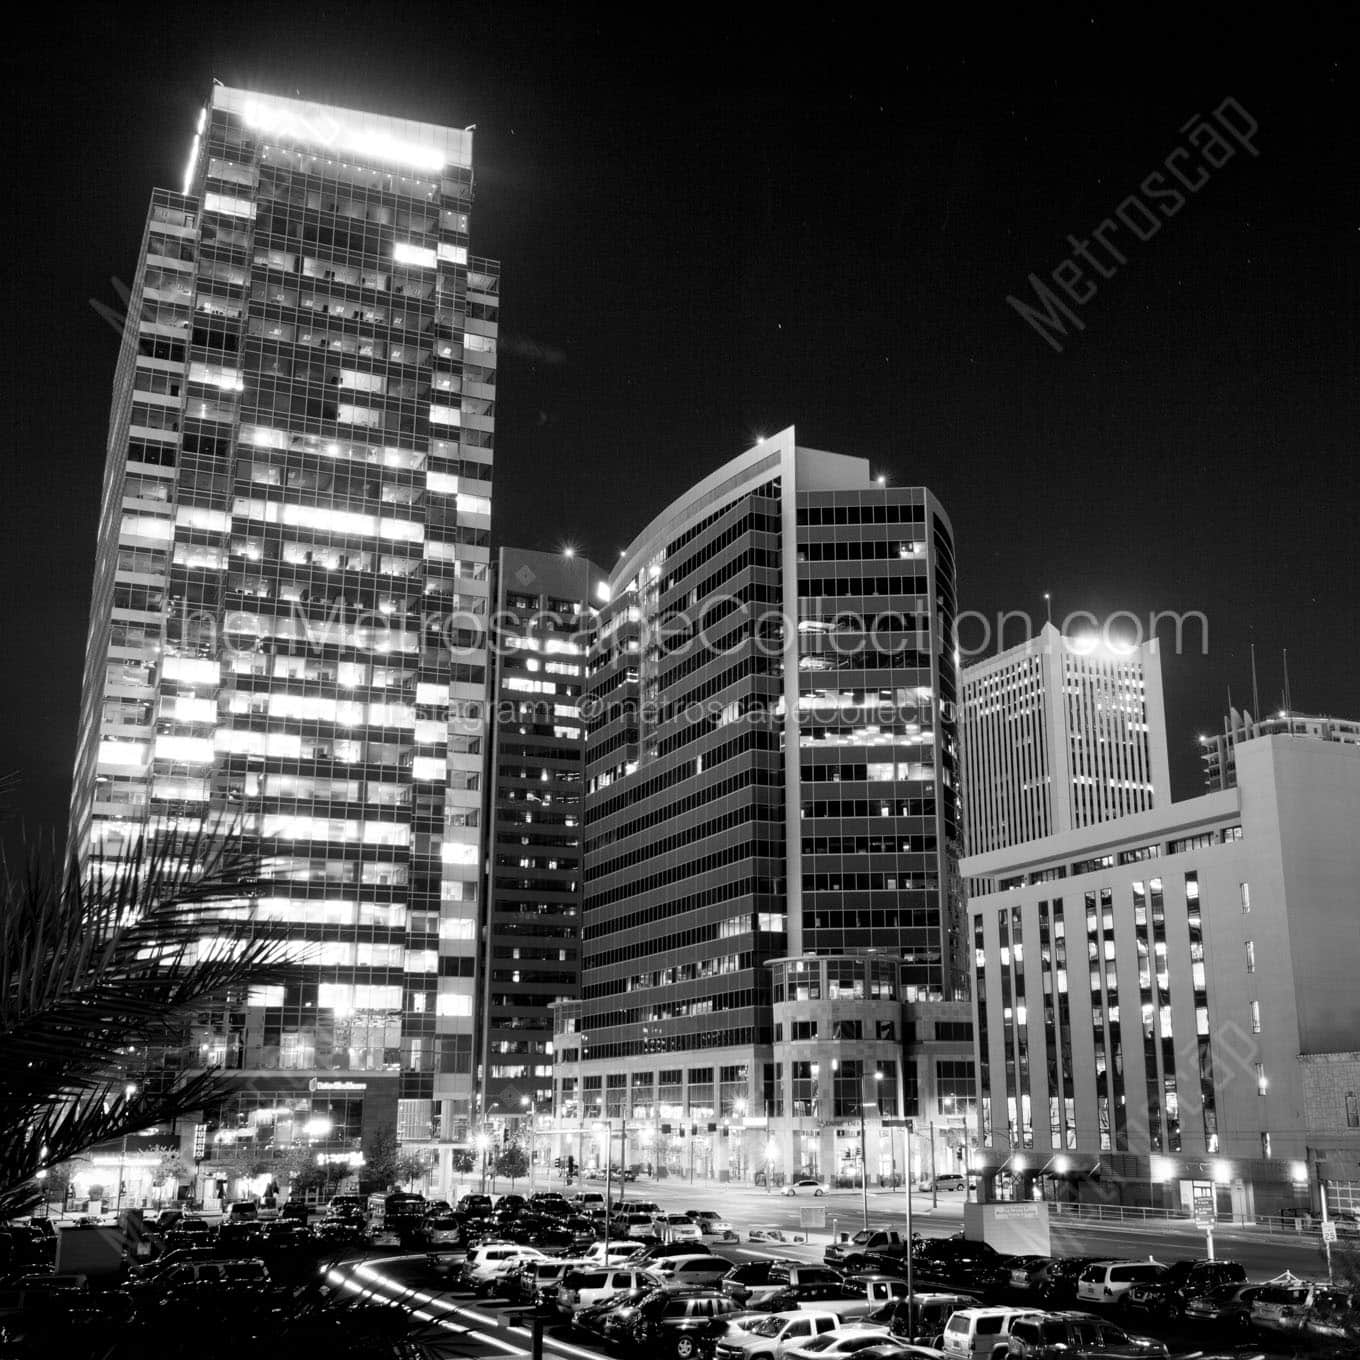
922	1319
1282	1305
1076	1336
741	1279
677	1228
712	1224
899	1350
695	1270
956	1263
767	1338
780	1275
1057	1282
829	1345
851	1253
475	1206
678	1323
537	1281
611	1319
1106	1282
978	1333
1182	1281
1026	1272
855	1297
950	1182
806	1185
485	1265
584	1286
1228	1306
662	1250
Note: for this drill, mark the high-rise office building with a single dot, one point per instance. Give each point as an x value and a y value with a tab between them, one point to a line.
1218	753
1060	733
532	925
288	618
1166	1002
772	822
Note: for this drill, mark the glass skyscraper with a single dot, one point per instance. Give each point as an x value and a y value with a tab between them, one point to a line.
288	620
772	794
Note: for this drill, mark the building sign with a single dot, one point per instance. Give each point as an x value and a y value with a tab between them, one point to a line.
200	1140
315	1085
1015	1211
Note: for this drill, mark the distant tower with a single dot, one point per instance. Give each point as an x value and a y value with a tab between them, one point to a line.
1059	733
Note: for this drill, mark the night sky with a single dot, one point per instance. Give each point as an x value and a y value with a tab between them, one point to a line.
712	226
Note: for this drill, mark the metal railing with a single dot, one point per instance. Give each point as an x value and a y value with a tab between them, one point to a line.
1114	1213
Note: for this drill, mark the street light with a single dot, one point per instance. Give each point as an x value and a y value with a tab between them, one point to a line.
483	1141
129	1091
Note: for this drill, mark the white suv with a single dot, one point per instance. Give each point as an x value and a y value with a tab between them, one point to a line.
1108	1281
585	1285
485	1266
767	1338
979	1333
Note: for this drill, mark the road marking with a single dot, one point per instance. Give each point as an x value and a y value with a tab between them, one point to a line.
406	1292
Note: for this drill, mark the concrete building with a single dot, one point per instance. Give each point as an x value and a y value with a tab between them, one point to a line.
287	628
1145	989
531	931
771	791
1218	753
1060	733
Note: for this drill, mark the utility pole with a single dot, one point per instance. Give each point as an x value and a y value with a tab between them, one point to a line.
934	1186
863	1165
911	1296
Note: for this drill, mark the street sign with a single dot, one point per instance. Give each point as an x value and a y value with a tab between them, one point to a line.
1206	1210
1329	1231
200	1140
810	1217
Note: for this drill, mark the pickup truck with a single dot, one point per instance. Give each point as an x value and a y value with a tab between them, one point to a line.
851	1253
855	1297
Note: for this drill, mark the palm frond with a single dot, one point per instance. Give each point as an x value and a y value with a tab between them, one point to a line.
91	967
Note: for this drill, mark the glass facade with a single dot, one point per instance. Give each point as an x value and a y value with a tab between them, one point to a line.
532	927
288	623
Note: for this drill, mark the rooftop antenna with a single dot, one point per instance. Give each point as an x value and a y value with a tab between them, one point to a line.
1048	606
1255	696
1288	707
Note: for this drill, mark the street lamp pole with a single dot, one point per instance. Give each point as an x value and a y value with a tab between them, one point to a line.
129	1091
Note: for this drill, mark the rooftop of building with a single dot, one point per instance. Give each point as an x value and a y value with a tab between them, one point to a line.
398	141
1156	827
813	470
1050	640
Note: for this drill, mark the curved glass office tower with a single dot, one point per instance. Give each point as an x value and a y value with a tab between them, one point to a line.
771	774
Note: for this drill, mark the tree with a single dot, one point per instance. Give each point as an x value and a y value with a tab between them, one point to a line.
380	1157
100	970
512	1163
412	1167
464	1161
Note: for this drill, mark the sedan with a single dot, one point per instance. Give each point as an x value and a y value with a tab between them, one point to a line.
712	1225
843	1341
808	1185
897	1350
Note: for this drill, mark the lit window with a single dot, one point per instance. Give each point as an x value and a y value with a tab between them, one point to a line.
452	254
1251	956
1256	1017
403	252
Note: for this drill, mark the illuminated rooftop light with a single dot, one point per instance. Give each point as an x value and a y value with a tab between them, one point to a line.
324	129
